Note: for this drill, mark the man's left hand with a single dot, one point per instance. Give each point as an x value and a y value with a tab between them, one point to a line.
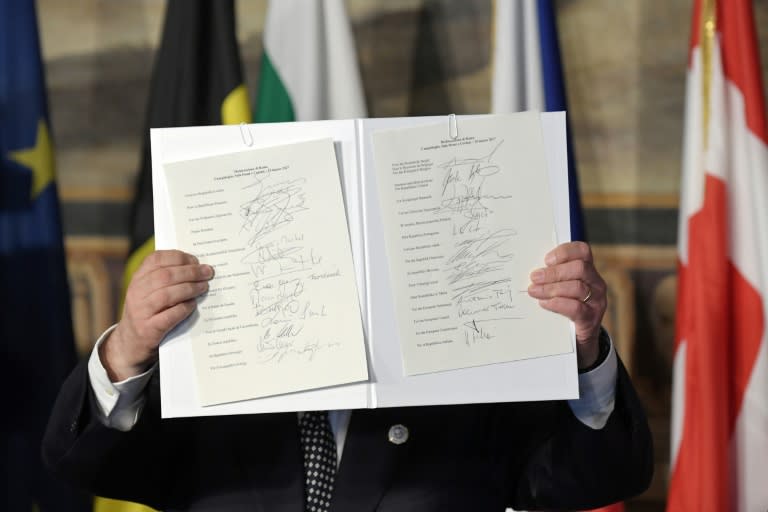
570	285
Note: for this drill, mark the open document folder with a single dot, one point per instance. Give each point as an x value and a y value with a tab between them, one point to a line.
440	274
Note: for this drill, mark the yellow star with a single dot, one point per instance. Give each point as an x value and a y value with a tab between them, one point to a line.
38	159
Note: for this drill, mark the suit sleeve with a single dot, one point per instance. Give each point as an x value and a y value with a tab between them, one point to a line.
133	465
559	463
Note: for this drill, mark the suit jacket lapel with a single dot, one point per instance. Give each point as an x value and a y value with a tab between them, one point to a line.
368	460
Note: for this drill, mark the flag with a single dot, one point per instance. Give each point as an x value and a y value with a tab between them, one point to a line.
720	391
528	75
309	69
197	80
36	329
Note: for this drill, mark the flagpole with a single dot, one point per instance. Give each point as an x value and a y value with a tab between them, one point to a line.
492	52
708	28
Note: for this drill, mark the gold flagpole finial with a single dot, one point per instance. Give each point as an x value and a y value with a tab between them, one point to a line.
708	33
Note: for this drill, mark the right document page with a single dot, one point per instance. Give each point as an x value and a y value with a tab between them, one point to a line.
467	214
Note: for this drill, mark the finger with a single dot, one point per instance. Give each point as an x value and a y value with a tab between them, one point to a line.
165	258
573	309
169	276
568	251
169	296
585	317
137	304
169	318
573	289
568	271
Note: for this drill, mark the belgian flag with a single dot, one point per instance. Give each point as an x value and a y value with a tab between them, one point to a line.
197	80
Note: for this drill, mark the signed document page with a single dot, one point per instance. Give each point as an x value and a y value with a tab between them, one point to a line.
466	219
282	312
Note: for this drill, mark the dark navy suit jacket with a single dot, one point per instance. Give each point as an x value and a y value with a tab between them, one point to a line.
470	457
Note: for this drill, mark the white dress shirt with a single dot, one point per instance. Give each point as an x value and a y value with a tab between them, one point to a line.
120	403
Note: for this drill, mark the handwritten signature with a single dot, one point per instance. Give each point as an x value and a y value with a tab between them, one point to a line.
276	350
462	186
274	205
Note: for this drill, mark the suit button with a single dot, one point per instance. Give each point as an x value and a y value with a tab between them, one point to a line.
398	434
73	426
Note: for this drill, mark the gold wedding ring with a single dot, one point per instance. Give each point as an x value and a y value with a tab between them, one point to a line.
589	294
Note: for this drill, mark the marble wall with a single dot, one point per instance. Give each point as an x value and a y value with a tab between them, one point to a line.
625	66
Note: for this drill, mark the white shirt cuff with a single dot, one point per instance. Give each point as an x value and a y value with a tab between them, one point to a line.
597	389
119	403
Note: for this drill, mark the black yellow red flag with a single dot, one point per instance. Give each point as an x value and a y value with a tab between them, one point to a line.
197	80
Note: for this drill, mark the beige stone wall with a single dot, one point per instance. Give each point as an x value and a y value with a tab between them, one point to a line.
625	68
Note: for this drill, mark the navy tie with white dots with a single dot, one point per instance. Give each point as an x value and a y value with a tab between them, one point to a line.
319	448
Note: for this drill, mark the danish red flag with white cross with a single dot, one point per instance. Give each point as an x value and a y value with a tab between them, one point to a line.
720	392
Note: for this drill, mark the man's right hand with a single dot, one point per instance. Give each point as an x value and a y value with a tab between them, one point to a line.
161	294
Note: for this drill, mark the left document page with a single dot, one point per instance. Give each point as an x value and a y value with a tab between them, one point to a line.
271	222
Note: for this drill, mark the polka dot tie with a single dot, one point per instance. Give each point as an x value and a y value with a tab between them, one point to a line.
319	448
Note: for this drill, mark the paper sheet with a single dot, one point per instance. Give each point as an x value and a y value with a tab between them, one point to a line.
466	218
282	313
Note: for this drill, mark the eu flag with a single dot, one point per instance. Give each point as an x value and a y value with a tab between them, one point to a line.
36	328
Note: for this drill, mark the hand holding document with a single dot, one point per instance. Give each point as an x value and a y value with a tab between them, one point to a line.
271	223
430	262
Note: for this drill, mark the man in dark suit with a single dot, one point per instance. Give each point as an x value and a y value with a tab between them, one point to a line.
105	433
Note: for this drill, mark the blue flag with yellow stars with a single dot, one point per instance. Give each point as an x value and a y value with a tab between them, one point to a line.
36	329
